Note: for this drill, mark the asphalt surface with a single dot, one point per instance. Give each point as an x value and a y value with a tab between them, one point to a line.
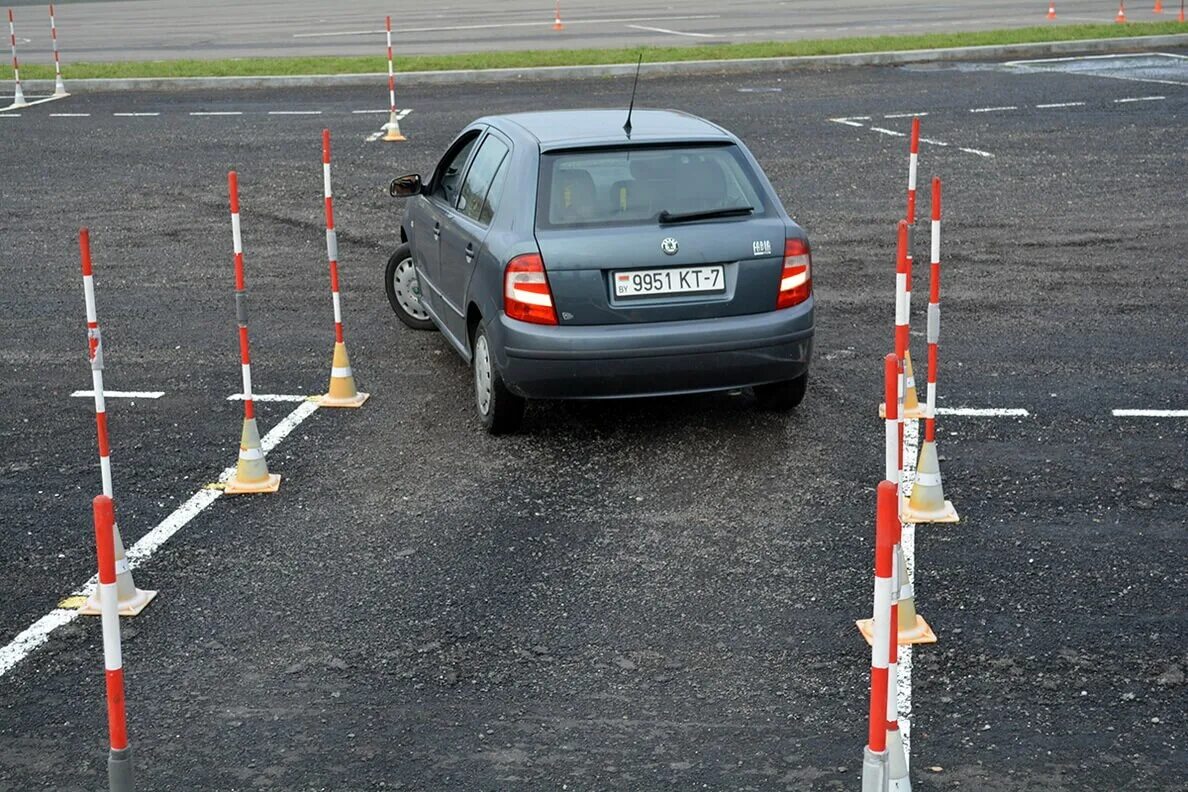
642	595
166	29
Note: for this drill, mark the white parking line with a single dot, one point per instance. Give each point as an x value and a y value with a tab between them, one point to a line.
905	115
217	113
499	25
993	109
984	412
135	115
847	122
294	112
882	131
270	397
672	32
933	142
70	115
367	112
10	115
110	394
979	152
1139	99
38	633
1059	104
1150	413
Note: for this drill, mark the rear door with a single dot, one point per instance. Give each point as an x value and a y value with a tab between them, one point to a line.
612	259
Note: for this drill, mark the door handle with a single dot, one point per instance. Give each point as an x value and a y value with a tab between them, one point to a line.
469	251
437	229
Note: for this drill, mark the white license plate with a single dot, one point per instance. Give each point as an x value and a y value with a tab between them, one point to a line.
675	280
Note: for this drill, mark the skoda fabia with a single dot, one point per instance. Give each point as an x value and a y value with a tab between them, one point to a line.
570	255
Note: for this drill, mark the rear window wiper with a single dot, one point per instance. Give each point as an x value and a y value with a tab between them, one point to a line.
685	217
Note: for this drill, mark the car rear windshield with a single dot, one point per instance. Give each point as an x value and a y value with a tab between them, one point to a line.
633	186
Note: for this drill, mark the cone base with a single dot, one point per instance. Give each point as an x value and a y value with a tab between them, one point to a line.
946	514
326	400
270	484
920	634
131	607
393	135
909	413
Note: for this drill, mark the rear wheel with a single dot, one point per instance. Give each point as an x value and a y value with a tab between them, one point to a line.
782	396
500	410
404	290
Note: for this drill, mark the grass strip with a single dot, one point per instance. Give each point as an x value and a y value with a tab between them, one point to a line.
257	67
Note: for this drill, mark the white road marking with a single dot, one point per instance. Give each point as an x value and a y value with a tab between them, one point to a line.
1139	99
672	32
905	115
136	115
1150	413
294	112
1059	104
270	397
10	115
847	122
30	102
984	412
38	633
979	152
70	115
882	131
217	113
366	112
499	25
110	394
993	109
933	142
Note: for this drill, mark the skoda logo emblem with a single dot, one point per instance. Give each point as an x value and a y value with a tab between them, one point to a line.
670	246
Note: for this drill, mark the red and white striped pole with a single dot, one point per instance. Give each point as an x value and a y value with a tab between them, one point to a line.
393	125
891	456
933	314
119	758
875	765
902	269
18	98
59	86
342	391
251	472
131	599
913	161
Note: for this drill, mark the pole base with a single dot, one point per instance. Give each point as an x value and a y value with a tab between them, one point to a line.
326	400
920	634
945	514
270	484
128	607
119	770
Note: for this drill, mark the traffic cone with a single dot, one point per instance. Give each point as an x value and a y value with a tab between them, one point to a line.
557	17
18	98
927	503
251	474
1158	9
912	629
1121	18
393	126
342	391
1051	9
897	771
912	409
131	600
1181	18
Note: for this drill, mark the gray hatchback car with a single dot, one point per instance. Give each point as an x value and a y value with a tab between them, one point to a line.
565	256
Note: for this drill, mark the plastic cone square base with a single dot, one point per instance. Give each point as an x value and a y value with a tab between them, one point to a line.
920	634
326	400
270	484
131	607
393	134
912	414
947	514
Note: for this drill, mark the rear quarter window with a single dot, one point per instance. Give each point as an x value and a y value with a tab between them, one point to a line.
625	186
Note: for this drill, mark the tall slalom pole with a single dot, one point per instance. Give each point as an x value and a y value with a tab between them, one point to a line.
901	329
119	757
911	405
342	391
59	86
875	769
251	473
18	98
393	126
131	600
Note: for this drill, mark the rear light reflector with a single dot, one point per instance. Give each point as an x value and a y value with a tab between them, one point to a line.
526	294
796	282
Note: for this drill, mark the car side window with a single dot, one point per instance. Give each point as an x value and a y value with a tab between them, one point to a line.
486	165
448	175
491	205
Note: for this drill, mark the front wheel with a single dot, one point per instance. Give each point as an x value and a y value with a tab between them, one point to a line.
404	290
782	396
500	410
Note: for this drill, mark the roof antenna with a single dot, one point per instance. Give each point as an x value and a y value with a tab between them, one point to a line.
627	126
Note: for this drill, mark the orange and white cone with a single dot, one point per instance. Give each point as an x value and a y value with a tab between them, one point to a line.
1121	17
342	391
1052	9
1158	9
557	24
251	472
912	409
911	628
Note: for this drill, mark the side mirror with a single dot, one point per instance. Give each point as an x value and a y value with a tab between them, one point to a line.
406	186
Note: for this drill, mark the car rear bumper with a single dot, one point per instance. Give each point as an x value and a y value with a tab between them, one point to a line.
655	358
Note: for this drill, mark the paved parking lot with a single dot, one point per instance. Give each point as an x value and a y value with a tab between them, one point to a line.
642	595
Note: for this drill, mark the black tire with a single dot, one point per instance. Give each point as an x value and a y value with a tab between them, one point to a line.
500	410
404	296
782	396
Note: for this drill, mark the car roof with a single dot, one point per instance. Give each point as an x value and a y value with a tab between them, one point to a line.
559	129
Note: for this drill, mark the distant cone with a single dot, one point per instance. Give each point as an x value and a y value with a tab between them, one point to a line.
342	391
59	87
251	474
1052	10
393	126
1158	9
557	25
927	503
131	599
18	97
897	770
1121	18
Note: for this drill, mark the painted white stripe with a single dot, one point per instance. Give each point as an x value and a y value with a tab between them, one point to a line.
888	131
78	394
931	400
882	626
497	25
236	236
10	115
136	115
246	369
367	112
891	450
105	475
1150	413
38	633
984	412
935	241
932	142
979	152
1059	104
109	616
913	166
993	109
847	122
337	307
901	304
217	113
294	112
672	32
70	115
1139	99
905	115
326	180
270	397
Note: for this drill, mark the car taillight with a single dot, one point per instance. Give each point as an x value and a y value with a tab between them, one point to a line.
796	283
526	294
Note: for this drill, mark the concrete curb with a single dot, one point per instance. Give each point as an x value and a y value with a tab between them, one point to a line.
670	68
